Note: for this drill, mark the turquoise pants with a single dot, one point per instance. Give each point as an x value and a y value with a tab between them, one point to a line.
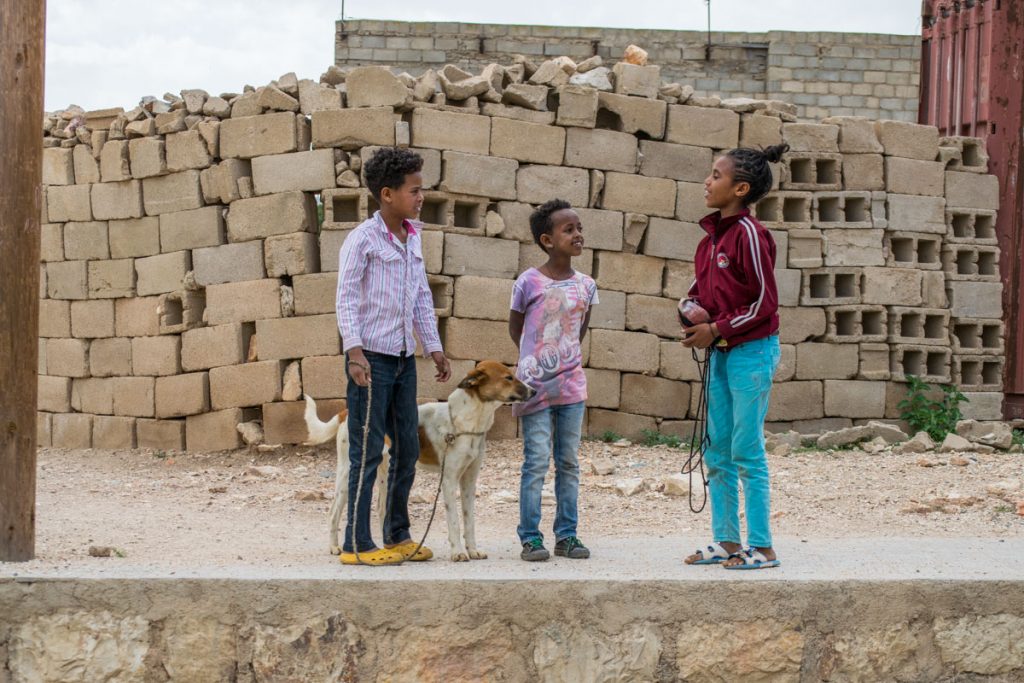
739	383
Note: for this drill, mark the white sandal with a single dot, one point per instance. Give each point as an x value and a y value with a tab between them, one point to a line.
713	554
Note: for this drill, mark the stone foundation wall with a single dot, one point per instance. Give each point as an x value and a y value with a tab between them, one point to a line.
188	281
822	73
368	630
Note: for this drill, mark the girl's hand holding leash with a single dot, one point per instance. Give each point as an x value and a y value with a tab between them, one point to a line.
699	336
358	368
444	368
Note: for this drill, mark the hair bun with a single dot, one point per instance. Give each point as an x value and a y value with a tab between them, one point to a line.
774	153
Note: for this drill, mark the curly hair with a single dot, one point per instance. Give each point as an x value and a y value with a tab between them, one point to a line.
751	166
540	219
388	167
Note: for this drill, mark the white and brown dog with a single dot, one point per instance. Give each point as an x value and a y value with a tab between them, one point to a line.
452	434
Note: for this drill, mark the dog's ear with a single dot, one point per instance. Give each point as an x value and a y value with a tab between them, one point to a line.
471	380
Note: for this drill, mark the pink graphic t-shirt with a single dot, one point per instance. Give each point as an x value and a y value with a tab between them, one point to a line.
550	360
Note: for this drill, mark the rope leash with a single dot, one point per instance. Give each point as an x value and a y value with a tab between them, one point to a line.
700	439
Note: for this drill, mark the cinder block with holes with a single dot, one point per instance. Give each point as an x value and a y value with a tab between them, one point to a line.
972	155
929	363
345	208
442	289
785	210
918	326
913	250
180	311
812	171
971	263
978	373
845	324
969	336
846	210
972	226
831	287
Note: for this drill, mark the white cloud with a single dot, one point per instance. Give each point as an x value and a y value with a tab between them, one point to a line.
102	53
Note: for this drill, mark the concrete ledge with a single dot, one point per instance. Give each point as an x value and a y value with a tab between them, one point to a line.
629	619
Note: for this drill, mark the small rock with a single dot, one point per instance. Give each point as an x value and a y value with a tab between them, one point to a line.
252	432
876	445
218	489
629	487
348	179
292	383
602	467
533	97
506	496
622	443
959	461
262	471
953	443
595	78
635	55
589	64
919	443
676	485
419	497
781	449
926	462
310	495
102	551
268	447
1006	489
997	434
671	90
1020	508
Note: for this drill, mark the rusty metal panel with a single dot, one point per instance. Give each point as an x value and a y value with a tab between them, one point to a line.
972	83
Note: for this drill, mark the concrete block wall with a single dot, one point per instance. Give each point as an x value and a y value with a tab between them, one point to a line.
179	301
822	73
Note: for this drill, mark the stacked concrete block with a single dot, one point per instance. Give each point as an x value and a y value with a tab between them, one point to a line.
189	259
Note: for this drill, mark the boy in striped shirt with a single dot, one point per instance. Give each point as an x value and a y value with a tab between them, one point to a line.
384	300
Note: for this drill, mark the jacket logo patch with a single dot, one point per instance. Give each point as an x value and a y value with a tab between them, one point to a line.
723	261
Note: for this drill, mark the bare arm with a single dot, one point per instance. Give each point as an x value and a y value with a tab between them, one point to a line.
515	326
585	326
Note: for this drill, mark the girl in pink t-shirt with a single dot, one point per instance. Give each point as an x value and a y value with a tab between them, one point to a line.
549	318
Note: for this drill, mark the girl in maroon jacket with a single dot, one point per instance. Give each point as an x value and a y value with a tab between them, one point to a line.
734	291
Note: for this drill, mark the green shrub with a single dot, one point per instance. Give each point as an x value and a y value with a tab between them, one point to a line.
922	413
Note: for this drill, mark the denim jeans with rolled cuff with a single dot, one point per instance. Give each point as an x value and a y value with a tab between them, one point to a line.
555	429
394	413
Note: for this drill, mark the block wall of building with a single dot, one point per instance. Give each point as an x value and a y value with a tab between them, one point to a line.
190	249
823	73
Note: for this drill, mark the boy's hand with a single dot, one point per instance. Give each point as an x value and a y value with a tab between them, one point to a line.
699	336
444	368
358	367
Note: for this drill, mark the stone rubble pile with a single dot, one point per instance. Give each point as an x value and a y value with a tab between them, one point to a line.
189	247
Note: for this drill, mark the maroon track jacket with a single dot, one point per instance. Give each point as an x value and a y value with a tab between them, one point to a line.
735	277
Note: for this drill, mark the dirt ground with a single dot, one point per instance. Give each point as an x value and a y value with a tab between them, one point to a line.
170	509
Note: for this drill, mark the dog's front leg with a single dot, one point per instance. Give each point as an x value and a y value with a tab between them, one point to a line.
449	487
468	493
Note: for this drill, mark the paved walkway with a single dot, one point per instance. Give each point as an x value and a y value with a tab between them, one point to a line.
649	559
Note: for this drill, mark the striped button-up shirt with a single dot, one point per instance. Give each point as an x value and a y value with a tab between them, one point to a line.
383	295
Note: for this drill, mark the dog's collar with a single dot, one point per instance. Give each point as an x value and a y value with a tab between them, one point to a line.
450	437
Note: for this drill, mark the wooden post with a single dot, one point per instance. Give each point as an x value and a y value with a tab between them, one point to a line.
22	27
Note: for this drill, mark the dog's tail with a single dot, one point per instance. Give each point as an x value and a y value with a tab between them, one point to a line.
318	432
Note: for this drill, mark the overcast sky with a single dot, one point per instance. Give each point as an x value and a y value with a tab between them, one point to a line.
102	53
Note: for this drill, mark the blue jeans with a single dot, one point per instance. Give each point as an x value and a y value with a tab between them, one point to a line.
739	382
558	429
394	412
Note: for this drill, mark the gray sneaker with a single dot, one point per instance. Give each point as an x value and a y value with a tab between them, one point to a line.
534	551
573	548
